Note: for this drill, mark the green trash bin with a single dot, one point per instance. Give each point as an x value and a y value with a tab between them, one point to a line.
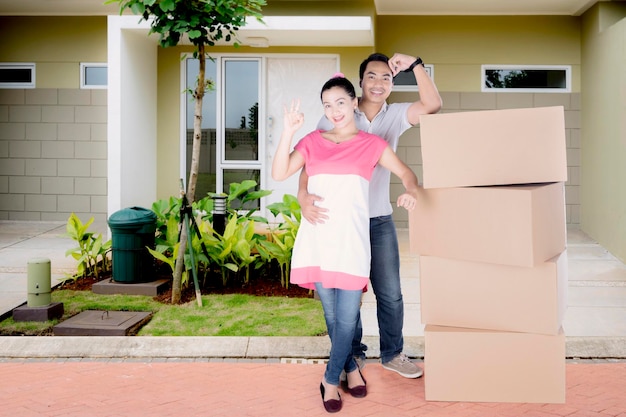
132	231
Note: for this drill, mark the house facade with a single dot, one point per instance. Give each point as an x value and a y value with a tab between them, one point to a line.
72	143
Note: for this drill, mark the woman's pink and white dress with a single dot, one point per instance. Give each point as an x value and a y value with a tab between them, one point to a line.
337	252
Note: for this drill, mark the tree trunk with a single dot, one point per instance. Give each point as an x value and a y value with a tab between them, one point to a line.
197	128
193	173
180	264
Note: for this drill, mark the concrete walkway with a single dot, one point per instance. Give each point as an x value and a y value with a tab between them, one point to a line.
257	376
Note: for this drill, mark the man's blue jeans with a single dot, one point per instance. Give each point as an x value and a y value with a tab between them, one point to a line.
385	281
341	309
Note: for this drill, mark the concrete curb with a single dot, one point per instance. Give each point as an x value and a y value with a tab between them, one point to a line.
241	347
595	347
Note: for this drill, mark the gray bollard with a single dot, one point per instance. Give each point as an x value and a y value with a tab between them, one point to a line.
39	282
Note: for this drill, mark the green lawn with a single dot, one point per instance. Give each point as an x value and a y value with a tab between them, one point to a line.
220	315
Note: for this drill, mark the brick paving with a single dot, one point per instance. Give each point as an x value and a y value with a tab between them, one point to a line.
216	387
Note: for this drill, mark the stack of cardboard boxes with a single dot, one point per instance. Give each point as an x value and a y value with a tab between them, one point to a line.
490	231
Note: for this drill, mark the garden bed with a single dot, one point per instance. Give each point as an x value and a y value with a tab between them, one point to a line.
260	284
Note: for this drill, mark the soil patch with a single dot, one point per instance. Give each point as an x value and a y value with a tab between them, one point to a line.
263	283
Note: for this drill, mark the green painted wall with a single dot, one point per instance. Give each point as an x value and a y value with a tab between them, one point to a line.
603	190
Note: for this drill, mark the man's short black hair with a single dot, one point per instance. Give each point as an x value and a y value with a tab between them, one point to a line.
372	58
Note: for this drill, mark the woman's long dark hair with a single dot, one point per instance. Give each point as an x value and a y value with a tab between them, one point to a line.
339	81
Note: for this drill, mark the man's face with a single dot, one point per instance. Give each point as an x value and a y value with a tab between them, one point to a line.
377	81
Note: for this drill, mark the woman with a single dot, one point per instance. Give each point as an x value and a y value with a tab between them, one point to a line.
334	257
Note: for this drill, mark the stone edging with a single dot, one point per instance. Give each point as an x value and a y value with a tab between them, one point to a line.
241	347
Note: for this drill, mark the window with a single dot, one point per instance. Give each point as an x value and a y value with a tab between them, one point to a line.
230	123
17	75
405	81
526	78
93	75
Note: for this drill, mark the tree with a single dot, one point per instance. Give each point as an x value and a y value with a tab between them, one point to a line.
203	22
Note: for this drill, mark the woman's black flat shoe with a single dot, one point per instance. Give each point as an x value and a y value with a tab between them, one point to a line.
359	391
331	406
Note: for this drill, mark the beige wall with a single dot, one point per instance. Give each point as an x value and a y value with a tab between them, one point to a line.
57	45
53	150
459	45
53	154
603	191
456	45
320	8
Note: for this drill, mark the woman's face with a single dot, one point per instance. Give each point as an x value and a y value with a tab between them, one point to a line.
338	106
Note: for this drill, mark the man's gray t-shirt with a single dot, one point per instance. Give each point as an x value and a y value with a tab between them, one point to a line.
389	124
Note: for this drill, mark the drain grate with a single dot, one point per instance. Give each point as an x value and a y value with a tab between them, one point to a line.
303	361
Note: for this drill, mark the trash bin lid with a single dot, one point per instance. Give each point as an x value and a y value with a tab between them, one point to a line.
132	216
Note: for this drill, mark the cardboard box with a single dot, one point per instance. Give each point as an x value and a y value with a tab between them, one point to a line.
513	146
521	225
495	297
491	366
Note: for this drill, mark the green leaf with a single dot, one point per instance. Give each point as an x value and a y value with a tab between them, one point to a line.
248	231
167	5
231	227
172	231
162	248
255	195
76	255
232	267
137	8
73	227
237	189
162	258
193	34
97	245
225	251
258	219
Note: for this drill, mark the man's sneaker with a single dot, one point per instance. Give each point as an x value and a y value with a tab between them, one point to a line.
403	365
360	362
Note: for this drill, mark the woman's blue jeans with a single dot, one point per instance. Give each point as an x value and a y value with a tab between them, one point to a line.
341	309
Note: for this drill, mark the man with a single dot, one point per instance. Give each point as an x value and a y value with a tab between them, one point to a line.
375	116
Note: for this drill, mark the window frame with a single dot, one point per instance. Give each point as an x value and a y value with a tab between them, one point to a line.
430	70
568	78
222	163
83	68
20	65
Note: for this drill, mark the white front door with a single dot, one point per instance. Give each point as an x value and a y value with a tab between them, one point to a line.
292	78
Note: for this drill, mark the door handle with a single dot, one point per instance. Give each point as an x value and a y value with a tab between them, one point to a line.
270	126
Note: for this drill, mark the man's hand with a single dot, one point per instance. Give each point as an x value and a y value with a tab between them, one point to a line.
407	201
400	62
312	213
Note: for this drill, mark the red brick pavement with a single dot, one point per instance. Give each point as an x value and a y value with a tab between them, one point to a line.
129	389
